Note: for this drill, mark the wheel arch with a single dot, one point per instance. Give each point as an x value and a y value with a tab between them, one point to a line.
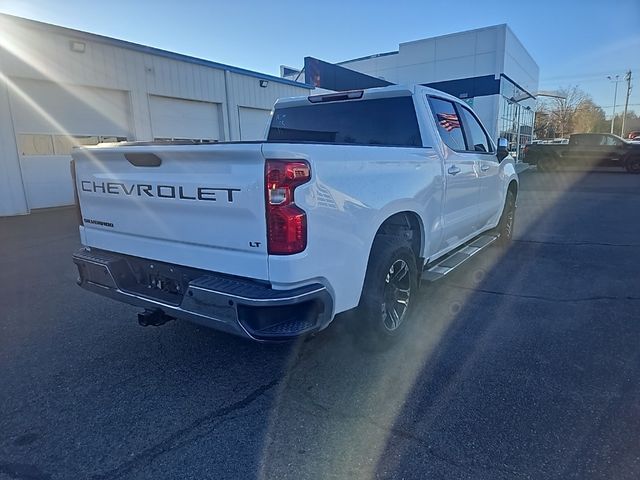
512	186
406	223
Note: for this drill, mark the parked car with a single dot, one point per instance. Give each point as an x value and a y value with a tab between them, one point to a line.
585	150
352	201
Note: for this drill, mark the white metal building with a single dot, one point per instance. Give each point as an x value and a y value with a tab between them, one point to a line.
61	87
487	67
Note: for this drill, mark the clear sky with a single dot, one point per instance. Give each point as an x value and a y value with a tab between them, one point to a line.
573	42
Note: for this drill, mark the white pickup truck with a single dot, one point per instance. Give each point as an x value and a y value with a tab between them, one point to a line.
353	200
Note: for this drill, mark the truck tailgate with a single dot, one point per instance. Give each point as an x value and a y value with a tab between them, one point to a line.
195	205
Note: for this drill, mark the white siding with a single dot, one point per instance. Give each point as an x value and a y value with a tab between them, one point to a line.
12	195
47	180
383	66
253	123
519	65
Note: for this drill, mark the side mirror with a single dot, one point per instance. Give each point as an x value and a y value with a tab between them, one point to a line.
502	151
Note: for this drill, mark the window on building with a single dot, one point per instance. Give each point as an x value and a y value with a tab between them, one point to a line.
62	144
35	144
111	139
40	144
516	116
193	140
448	123
87	140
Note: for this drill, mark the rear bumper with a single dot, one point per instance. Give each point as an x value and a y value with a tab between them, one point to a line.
240	306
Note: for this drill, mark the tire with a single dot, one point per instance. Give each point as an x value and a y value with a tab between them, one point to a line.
532	160
548	164
632	165
507	221
389	294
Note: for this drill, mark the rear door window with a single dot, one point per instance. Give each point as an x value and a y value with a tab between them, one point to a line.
610	141
448	123
589	140
477	139
385	121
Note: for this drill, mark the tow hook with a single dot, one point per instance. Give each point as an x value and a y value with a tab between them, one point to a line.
153	318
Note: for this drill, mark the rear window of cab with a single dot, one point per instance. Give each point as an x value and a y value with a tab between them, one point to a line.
381	122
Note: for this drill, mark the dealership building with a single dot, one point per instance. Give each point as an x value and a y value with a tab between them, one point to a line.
61	87
489	68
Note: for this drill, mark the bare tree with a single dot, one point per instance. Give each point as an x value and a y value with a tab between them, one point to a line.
587	117
558	115
542	127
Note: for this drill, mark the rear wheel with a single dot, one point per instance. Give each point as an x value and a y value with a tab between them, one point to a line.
507	220
633	165
548	164
389	293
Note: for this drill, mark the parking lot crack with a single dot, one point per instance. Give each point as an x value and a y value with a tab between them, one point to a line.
544	298
179	437
578	244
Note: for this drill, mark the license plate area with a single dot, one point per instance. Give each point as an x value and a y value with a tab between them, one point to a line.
163	282
156	280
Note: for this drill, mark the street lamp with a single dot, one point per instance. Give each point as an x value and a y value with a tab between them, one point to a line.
615	95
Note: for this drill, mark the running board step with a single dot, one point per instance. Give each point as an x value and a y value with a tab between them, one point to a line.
456	258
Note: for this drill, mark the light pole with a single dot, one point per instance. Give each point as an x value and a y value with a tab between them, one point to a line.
615	96
627	78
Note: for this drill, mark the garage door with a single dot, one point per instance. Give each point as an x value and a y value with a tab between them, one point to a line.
176	118
49	120
253	123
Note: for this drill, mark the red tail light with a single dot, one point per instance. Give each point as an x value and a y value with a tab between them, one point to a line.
286	222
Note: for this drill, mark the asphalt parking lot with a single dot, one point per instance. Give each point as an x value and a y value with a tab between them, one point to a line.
526	364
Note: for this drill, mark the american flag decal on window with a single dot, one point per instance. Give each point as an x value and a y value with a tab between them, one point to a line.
448	121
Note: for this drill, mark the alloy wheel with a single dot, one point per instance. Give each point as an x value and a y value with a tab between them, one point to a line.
397	293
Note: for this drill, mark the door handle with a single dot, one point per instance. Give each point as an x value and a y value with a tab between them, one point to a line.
485	167
453	170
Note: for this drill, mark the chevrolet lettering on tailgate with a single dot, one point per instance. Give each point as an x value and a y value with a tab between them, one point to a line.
161	191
